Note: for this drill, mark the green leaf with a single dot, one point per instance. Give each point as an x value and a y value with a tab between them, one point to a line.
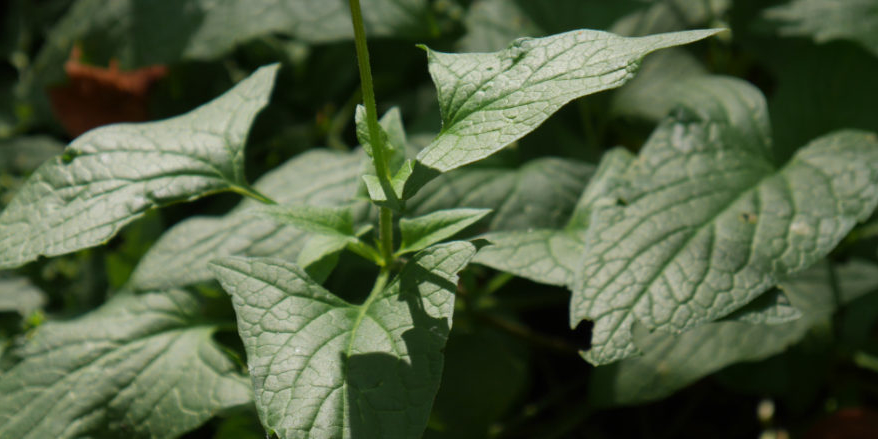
181	255
110	176
707	222
539	194
545	256
652	93
20	295
671	362
119	372
827	20
321	220
771	308
320	255
204	30
489	100
551	256
324	367
424	231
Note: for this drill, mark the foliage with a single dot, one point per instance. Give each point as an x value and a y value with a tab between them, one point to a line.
615	207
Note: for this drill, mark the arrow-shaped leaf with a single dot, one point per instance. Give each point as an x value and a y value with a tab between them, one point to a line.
323	367
706	222
489	100
112	175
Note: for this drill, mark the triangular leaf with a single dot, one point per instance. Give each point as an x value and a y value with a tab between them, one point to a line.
707	222
119	372
110	176
325	367
489	100
424	231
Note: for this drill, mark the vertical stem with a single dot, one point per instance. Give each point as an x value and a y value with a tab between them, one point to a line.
379	152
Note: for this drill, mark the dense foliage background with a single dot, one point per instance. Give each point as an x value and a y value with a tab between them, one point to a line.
512	365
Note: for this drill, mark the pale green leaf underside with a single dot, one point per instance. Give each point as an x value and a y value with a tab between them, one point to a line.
708	223
827	20
138	366
671	362
489	100
20	295
181	255
423	231
116	173
324	368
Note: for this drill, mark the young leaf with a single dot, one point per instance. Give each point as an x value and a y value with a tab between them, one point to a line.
119	372
320	255
489	100
707	223
671	362
110	176
323	367
424	231
826	20
181	255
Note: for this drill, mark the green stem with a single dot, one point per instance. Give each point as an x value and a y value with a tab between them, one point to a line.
385	234
254	194
379	152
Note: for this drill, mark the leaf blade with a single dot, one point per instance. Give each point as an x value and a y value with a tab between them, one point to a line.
423	231
712	224
490	100
111	175
360	349
119	370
